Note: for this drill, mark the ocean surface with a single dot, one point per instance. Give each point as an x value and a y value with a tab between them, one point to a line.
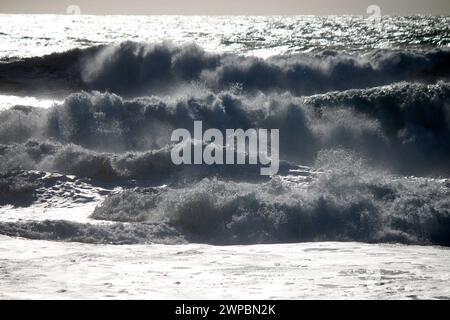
359	209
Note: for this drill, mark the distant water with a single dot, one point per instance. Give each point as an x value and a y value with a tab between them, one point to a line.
88	104
34	35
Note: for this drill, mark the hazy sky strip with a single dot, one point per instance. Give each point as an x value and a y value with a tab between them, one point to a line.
224	7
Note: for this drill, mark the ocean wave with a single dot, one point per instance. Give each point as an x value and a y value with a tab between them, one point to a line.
22	188
17	189
62	230
132	69
349	203
403	127
152	167
346	201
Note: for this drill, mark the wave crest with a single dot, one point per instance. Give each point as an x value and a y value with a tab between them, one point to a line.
132	68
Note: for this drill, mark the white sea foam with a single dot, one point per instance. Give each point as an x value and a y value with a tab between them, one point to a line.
34	269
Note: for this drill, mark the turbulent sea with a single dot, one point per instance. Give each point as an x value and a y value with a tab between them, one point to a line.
92	206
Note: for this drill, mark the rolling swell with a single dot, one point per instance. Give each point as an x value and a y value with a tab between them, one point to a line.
132	69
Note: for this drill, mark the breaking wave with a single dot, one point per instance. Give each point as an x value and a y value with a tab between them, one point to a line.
348	202
402	127
132	69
